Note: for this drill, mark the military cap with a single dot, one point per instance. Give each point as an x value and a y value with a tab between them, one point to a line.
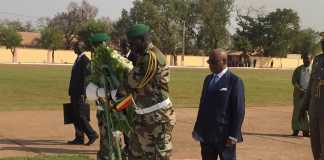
137	30
322	36
99	37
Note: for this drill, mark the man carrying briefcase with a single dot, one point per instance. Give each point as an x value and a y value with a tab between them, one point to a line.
77	97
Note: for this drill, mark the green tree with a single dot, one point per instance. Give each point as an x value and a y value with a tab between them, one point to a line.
10	39
148	13
252	29
183	25
282	25
242	44
305	42
51	39
70	21
18	25
91	27
273	33
214	17
121	25
186	14
163	16
169	31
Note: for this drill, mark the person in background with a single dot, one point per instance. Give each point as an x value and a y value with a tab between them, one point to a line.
78	98
300	81
126	52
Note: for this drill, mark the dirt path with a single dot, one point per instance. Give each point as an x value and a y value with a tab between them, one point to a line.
33	133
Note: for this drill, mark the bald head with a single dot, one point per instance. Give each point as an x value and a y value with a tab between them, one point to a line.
217	60
220	52
79	47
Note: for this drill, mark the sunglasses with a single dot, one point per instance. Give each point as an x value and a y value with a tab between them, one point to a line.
213	62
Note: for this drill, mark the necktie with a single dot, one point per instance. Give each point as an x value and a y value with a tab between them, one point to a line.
213	81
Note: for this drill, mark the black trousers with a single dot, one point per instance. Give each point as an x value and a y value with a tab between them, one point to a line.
211	152
81	122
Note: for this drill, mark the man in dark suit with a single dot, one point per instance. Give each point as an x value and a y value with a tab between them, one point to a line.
126	52
77	96
221	111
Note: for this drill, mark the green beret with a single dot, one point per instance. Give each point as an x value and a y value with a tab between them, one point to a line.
99	37
137	30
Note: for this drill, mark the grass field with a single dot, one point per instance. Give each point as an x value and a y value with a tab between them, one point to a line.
30	87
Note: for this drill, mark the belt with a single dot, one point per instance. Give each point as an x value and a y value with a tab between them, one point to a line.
163	104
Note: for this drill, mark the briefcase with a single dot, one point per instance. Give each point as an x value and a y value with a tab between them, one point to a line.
70	115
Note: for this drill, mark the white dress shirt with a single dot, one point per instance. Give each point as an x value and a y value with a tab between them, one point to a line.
304	77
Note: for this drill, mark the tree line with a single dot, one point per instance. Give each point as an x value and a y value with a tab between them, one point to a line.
178	27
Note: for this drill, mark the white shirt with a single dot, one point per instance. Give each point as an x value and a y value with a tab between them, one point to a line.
216	78
79	57
305	76
82	54
221	74
128	53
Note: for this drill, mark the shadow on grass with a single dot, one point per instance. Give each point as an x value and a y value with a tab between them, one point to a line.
31	142
269	135
49	151
44	147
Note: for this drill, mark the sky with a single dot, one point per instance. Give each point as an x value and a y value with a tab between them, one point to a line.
310	11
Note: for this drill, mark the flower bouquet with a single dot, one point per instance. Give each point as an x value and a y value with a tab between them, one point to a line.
109	71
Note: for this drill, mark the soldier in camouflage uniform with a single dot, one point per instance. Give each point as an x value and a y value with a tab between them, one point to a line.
155	117
314	102
102	154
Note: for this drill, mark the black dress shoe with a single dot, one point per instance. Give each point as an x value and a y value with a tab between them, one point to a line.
92	139
76	141
305	134
295	133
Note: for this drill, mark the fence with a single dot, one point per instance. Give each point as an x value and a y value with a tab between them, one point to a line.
28	55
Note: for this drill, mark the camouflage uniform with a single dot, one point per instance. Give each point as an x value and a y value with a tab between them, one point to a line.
151	139
315	100
103	153
106	149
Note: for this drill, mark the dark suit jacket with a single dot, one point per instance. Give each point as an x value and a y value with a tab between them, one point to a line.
221	111
132	57
78	75
298	90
